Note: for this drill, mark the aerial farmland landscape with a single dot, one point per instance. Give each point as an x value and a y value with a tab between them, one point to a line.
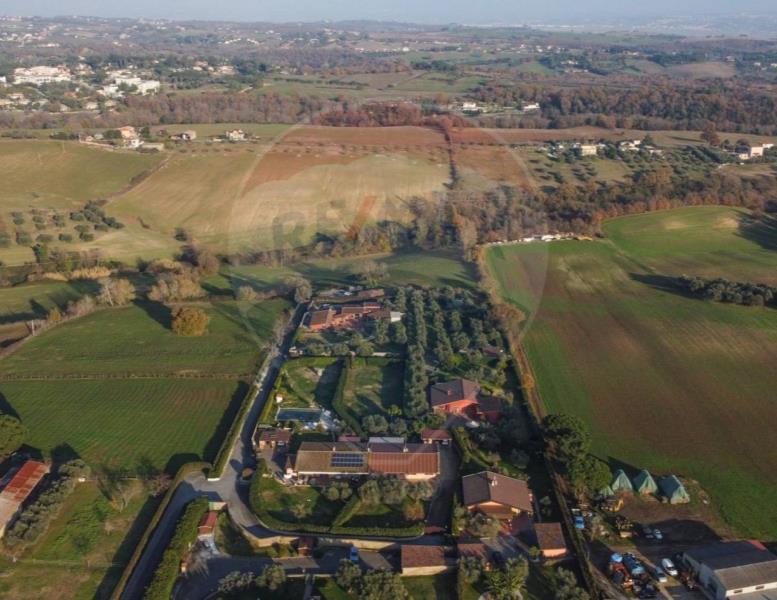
388	301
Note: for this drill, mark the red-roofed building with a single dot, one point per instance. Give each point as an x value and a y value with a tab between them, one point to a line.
18	489
436	436
411	461
207	524
342	316
496	495
269	437
455	397
463	397
424	560
550	539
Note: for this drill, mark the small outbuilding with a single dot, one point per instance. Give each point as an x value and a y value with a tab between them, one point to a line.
673	490
423	560
621	482
550	539
644	483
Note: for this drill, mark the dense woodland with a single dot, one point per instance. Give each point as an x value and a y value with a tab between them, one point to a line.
659	104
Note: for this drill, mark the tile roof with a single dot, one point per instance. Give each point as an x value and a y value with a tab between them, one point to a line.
478	550
271	434
208	522
487	486
416	556
456	390
488	404
331	457
19	488
359	458
404	459
436	434
550	536
321	317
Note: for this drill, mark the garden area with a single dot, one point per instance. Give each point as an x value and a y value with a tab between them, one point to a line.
378	507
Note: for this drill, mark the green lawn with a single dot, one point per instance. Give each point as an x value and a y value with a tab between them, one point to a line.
137	340
666	382
430	269
373	386
303	386
73	173
121	422
439	587
280	501
34	300
87	544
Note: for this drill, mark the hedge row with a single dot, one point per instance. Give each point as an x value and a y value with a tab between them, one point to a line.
348	510
234	431
160	511
166	574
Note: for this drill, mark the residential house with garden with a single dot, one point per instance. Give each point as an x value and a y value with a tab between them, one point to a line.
496	495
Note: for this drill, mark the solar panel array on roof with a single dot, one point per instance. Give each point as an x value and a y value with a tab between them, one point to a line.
347	459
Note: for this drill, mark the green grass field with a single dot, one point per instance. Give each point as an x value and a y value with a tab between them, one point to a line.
34	300
428	269
372	388
88	544
666	382
119	422
137	340
72	174
304	387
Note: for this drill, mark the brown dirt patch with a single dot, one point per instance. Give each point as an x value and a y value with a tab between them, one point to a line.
496	163
283	162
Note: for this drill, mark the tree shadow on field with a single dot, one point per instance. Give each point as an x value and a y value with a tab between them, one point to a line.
157	311
762	231
126	548
64	453
176	461
663	283
6	408
211	449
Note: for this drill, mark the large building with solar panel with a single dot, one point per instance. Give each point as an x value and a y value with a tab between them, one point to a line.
409	461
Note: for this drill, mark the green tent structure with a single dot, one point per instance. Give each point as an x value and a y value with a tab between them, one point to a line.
606	492
644	483
621	483
673	490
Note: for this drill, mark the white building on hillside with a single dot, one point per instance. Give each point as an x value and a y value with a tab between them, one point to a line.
40	75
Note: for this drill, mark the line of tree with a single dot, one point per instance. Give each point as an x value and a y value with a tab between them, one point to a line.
733	292
657	104
569	443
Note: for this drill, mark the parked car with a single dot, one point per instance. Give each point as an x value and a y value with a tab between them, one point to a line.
658	535
660	575
668	566
633	565
579	522
354	554
647	532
